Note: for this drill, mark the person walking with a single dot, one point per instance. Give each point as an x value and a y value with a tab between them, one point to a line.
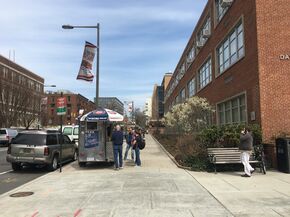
137	140
129	138
246	147
117	139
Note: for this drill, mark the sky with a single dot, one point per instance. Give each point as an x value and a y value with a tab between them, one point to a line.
140	41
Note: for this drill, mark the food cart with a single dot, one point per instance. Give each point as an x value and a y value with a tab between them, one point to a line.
95	133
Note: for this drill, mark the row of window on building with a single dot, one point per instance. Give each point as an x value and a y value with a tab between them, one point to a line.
228	52
17	78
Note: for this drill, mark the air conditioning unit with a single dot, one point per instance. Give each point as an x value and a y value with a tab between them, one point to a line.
199	44
226	3
206	33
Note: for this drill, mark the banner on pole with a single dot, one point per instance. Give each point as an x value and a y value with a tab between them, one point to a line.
85	72
61	106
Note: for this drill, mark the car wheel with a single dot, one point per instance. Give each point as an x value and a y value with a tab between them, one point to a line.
54	164
82	164
16	166
75	156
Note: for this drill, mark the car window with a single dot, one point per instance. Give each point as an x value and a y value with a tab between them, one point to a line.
51	139
67	130
30	139
76	131
3	132
66	140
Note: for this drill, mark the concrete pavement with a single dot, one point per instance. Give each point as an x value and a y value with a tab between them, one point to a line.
158	188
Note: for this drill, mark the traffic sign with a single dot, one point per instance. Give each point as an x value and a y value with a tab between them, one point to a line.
61	106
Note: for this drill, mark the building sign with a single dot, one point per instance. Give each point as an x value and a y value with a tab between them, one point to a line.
285	57
61	106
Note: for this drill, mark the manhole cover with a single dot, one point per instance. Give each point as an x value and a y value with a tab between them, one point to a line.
22	194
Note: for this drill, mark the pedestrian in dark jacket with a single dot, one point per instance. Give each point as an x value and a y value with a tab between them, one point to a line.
136	141
129	139
246	147
117	139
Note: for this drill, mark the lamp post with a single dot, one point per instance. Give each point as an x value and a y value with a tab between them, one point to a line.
98	53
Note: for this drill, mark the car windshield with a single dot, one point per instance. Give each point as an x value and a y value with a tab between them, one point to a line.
2	132
30	139
67	130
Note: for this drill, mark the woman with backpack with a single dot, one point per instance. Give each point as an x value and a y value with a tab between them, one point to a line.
136	144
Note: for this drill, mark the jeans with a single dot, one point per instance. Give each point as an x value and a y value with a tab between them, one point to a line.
137	154
245	158
127	150
118	158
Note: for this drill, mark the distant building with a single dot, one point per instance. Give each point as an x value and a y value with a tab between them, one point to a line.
158	98
148	108
75	102
21	92
112	103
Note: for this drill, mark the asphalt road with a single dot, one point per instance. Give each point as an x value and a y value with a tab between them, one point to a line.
10	179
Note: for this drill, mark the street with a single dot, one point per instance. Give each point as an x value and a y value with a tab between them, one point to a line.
10	179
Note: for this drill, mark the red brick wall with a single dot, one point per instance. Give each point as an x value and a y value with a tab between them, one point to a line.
239	78
273	24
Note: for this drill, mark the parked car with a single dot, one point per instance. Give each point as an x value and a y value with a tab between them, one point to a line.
6	135
40	147
72	131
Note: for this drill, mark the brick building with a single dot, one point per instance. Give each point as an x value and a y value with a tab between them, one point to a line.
21	92
75	102
157	101
236	57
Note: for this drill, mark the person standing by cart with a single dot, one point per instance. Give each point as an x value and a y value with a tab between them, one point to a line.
117	139
129	139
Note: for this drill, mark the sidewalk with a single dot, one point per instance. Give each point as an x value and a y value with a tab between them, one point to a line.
158	188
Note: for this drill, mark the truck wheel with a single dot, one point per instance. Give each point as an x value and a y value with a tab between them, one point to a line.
54	163
16	166
82	164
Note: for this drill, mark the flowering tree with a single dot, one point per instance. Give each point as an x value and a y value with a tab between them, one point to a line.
189	117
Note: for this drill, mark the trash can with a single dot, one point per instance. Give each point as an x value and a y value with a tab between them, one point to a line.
283	154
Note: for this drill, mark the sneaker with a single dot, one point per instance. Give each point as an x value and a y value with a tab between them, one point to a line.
245	175
121	167
253	171
117	168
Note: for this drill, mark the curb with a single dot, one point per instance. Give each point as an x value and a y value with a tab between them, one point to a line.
170	156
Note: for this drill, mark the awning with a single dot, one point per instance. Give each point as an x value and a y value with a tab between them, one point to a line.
102	115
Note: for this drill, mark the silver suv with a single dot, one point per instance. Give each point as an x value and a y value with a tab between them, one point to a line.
40	147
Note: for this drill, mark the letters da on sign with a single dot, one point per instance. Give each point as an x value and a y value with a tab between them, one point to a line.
285	57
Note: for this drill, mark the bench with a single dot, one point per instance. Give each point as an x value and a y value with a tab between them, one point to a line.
228	156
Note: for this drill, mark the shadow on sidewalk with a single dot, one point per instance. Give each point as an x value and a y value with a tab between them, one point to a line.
93	166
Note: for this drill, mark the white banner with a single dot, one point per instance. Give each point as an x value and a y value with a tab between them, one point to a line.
85	72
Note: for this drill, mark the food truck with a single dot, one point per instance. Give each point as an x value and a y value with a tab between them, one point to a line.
95	131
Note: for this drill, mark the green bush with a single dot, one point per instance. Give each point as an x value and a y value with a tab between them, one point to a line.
227	135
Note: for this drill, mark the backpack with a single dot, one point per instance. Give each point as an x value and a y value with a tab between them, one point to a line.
141	144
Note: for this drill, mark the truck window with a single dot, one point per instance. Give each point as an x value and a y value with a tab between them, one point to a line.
67	131
76	131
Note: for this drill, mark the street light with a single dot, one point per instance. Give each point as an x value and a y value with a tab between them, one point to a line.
98	53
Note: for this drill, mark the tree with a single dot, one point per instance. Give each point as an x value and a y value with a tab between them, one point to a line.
18	105
189	117
140	117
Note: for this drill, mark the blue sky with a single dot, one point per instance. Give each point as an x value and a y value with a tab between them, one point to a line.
140	41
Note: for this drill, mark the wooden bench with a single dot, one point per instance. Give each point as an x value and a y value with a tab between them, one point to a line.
227	156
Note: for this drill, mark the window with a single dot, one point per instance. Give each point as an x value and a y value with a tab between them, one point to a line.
182	95
221	9
204	74
67	131
190	57
191	87
76	131
232	111
51	139
204	32
231	50
68	98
